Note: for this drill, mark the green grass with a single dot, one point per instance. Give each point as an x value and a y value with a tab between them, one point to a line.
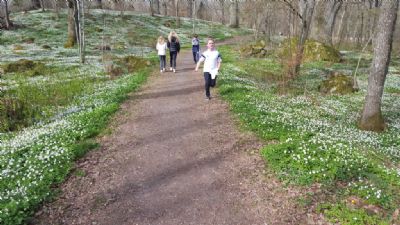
316	139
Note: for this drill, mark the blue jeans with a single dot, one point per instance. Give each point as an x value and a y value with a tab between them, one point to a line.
172	59
162	61
209	83
195	56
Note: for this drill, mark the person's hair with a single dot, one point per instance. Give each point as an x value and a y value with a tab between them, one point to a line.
161	40
171	35
210	39
195	35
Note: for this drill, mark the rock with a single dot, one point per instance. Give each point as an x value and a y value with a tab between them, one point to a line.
337	84
313	51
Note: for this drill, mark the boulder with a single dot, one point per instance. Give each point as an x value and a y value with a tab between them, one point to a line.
337	83
313	51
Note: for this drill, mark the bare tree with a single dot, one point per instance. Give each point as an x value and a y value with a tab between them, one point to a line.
151	7
372	118
7	22
177	18
72	13
306	7
330	13
234	14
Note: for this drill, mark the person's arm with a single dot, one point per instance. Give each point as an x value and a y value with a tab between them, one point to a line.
219	59
178	47
202	58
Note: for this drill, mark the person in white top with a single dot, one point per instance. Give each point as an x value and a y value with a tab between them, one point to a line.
212	63
161	50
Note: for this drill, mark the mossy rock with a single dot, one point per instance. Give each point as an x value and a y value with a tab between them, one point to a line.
257	49
26	66
119	46
47	47
29	40
133	63
313	51
337	84
18	47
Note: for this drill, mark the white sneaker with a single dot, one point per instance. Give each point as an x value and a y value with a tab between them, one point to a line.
170	69
174	70
161	71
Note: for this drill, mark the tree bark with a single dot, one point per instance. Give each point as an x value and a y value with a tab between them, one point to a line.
372	119
151	7
71	24
307	9
190	9
7	20
165	9
177	18
234	14
331	10
156	6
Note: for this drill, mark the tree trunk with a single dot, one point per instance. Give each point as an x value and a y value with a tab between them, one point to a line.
35	4
71	24
151	7
56	9
189	9
156	4
234	14
372	119
42	5
165	9
177	18
331	10
222	4
307	8
7	16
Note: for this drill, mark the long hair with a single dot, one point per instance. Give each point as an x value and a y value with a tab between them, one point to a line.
171	35
161	40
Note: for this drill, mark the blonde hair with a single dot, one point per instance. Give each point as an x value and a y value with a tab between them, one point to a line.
161	40
173	34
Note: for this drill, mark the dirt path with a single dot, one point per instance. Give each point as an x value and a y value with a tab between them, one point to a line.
173	158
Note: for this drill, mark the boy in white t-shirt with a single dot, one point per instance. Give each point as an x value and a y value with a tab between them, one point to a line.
212	62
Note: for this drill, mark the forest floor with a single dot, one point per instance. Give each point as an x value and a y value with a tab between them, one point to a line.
172	157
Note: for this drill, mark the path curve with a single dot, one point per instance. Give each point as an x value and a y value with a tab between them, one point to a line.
173	158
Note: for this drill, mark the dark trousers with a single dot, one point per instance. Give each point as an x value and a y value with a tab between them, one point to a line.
209	82
172	59
195	56
162	61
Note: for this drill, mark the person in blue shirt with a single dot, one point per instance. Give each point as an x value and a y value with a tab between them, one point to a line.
195	48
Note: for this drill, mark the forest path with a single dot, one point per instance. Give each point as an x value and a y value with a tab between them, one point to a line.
173	157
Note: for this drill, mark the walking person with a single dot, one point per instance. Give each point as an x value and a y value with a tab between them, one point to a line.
195	48
161	50
212	63
174	48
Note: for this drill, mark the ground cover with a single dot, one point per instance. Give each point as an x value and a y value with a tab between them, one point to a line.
51	106
314	138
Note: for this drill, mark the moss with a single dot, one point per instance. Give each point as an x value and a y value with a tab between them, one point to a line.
47	47
258	49
29	40
313	51
337	84
70	43
26	66
18	47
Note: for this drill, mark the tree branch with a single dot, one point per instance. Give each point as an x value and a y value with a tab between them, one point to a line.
292	8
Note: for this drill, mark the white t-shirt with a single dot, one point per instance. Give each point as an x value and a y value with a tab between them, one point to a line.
161	48
211	60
